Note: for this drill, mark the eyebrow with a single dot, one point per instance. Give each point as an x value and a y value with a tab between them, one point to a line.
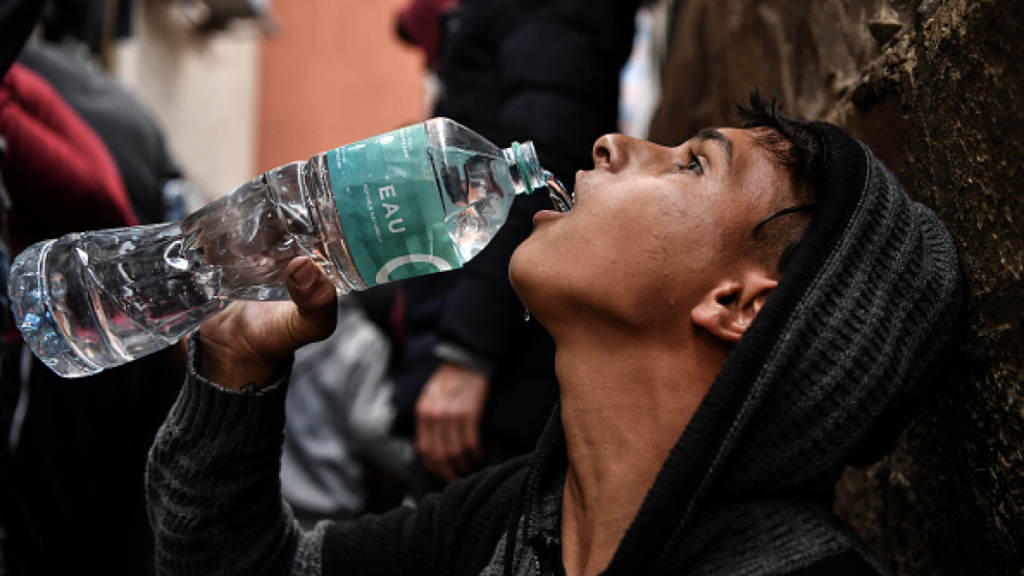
716	136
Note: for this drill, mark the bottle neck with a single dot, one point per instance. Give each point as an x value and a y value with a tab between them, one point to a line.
527	174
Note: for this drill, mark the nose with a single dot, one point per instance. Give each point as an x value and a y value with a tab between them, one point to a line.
614	152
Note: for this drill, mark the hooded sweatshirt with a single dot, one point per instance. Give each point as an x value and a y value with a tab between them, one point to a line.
833	367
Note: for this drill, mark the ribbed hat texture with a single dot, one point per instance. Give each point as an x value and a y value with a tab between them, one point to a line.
839	358
854	333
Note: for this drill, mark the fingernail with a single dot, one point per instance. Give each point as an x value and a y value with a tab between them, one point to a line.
304	275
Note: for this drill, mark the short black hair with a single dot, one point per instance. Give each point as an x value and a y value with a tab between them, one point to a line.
797	148
792	143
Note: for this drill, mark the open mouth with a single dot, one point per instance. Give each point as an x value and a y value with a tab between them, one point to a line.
561	199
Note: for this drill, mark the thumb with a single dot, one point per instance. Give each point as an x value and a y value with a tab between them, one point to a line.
316	299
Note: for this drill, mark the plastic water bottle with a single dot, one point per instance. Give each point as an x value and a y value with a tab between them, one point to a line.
421	199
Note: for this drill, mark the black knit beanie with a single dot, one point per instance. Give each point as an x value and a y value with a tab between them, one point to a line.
851	341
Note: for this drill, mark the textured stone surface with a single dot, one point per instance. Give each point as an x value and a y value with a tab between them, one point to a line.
934	87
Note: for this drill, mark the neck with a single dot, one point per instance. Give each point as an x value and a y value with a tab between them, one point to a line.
625	403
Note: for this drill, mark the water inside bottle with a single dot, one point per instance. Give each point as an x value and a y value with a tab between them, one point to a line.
113	296
481	203
486	207
120	294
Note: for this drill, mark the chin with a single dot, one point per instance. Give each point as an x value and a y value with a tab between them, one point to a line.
537	277
515	272
526	273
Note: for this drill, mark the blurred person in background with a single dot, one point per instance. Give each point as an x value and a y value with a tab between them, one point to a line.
476	382
155	183
72	470
83	154
340	459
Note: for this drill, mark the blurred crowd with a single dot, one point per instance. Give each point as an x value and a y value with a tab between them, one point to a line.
423	382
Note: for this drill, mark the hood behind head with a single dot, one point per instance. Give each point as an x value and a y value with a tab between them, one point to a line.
855	332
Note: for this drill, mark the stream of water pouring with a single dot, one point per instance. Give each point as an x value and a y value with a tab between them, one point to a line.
556	190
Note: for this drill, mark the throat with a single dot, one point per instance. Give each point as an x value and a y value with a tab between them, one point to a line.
615	453
593	524
622	413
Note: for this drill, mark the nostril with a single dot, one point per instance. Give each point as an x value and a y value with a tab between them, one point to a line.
602	152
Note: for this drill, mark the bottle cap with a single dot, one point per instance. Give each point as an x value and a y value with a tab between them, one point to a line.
524	167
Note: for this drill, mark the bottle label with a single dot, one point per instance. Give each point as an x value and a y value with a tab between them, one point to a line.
390	206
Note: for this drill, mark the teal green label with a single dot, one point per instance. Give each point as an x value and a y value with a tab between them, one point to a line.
390	206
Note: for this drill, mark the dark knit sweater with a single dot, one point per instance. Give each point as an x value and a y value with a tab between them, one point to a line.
213	503
827	375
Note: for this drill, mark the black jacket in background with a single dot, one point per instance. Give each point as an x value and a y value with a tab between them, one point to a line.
514	70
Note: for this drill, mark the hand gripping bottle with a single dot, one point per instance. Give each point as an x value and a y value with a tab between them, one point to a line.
421	199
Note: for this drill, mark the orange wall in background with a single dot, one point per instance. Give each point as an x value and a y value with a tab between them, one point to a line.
332	73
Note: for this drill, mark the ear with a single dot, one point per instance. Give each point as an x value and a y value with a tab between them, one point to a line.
728	309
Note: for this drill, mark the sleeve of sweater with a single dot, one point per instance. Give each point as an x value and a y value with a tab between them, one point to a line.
214	497
451	533
213	488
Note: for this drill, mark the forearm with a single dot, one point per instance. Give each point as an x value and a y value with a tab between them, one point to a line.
213	485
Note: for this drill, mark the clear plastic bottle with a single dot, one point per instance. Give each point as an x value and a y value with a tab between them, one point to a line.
421	199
